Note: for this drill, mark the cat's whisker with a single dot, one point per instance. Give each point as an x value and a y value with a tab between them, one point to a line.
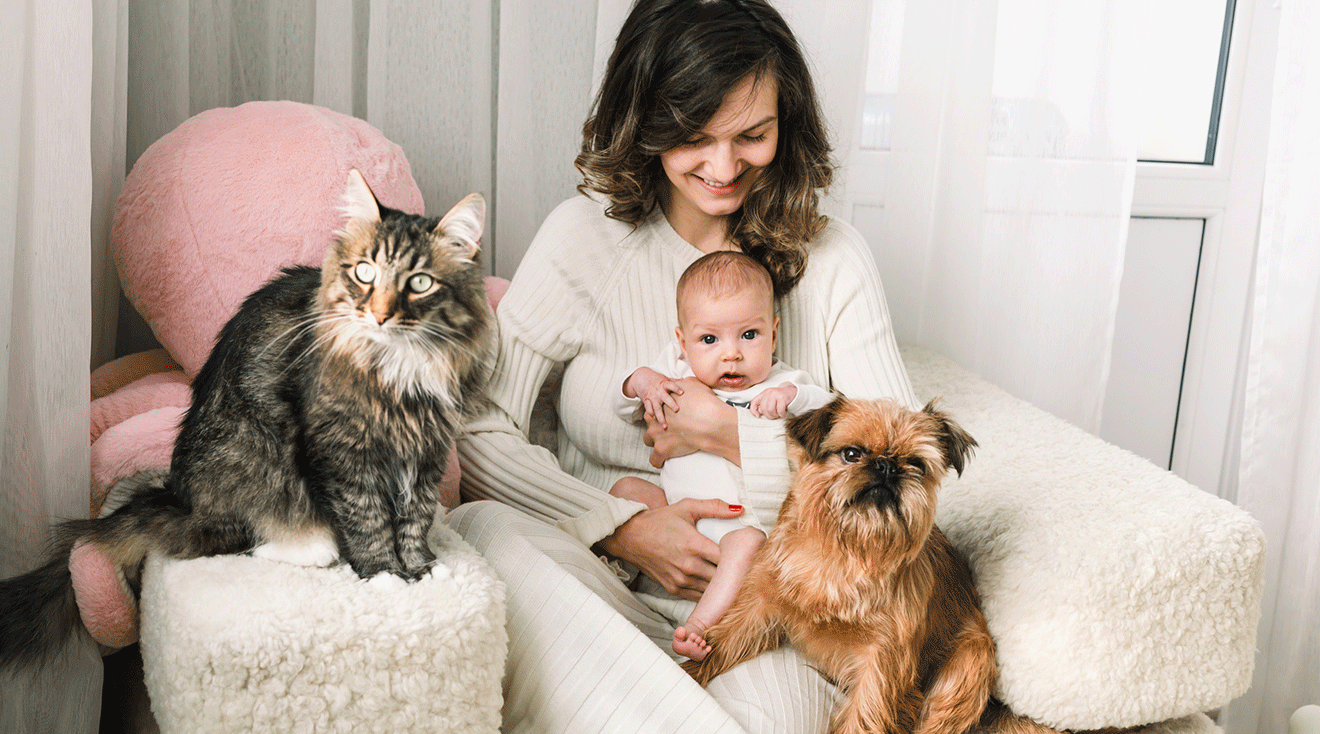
300	327
329	324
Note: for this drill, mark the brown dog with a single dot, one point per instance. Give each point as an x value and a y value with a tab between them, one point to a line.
857	576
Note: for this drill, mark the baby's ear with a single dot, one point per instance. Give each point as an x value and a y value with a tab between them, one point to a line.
955	443
810	429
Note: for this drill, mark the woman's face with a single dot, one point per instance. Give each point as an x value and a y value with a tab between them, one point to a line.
711	174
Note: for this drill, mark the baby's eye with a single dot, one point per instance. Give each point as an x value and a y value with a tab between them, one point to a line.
365	272
851	455
420	282
708	339
751	334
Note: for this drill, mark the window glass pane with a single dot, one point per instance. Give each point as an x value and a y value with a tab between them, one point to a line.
1172	54
1168	58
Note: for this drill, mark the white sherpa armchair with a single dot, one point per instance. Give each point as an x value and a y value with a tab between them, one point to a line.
1118	596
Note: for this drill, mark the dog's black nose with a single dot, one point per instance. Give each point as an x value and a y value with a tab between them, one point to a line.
884	470
882	483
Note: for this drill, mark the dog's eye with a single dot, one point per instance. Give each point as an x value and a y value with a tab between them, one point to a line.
851	455
917	465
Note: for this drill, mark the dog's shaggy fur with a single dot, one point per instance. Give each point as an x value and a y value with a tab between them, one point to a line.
858	577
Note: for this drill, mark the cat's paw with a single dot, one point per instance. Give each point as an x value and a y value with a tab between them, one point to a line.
319	552
386	581
417	564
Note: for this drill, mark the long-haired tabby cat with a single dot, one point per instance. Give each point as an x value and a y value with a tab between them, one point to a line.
319	427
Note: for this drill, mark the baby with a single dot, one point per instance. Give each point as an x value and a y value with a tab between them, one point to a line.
726	339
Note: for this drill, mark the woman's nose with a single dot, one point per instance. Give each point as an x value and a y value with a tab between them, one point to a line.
724	163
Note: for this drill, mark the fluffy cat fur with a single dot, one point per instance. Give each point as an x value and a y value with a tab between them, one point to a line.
319	427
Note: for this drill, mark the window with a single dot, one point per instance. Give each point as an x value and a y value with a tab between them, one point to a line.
1170	55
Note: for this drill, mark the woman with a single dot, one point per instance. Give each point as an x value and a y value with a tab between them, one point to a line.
706	135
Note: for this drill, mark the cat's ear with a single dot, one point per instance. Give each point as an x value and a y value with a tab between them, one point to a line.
464	223
360	206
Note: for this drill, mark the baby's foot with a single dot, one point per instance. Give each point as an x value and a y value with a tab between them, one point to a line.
690	644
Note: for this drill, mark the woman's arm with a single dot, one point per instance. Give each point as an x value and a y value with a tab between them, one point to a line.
500	463
864	361
703	422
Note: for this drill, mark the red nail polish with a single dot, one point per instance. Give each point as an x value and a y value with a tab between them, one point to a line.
736	508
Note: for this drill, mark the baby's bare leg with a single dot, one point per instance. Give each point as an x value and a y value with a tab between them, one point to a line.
737	548
640	490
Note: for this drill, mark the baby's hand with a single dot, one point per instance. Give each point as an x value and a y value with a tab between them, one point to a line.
655	391
773	402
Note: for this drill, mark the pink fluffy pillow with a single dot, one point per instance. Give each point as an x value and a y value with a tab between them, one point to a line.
214	208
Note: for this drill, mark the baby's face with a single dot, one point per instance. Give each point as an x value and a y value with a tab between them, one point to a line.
730	340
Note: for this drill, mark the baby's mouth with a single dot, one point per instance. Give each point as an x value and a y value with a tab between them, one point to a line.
732	379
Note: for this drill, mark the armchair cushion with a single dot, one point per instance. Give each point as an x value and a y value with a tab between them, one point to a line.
1117	593
237	644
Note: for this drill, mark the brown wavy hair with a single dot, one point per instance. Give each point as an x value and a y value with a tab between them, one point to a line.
673	63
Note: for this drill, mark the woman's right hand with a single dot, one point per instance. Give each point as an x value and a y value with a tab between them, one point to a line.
704	423
665	545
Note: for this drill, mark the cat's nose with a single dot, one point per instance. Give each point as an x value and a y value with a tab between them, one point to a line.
379	316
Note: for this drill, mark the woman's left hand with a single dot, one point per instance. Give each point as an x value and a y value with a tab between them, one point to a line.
703	422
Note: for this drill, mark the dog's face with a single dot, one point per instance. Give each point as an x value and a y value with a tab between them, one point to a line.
869	471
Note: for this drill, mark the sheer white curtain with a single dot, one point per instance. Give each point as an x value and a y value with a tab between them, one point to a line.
1279	469
994	182
430	76
61	160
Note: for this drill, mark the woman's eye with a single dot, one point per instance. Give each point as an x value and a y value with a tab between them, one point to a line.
851	455
754	138
365	272
420	283
708	339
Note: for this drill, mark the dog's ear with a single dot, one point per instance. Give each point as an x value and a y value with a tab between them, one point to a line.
956	443
810	429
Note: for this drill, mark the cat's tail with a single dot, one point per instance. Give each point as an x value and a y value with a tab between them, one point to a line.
38	611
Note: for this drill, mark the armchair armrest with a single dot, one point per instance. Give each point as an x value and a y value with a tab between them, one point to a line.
1117	593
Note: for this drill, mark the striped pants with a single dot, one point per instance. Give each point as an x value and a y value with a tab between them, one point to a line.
587	655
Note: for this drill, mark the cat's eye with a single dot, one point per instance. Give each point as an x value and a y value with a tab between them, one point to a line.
851	455
420	283
365	272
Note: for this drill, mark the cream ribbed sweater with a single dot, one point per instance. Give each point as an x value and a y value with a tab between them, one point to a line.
598	295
